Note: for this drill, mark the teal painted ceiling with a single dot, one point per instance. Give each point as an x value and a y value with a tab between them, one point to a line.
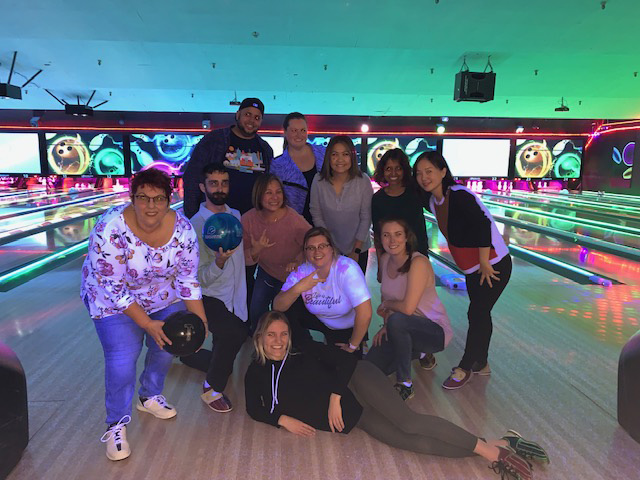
353	57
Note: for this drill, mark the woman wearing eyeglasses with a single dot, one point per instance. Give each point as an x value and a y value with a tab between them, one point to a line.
328	293
141	266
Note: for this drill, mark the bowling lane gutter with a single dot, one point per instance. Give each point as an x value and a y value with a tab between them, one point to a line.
44	208
23	273
579	275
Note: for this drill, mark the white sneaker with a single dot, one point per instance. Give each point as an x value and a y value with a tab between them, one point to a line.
116	439
157	406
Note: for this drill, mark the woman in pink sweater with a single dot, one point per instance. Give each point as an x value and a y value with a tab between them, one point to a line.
273	236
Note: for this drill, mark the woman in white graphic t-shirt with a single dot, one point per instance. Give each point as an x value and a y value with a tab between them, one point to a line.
327	293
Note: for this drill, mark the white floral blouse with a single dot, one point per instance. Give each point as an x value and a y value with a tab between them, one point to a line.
121	269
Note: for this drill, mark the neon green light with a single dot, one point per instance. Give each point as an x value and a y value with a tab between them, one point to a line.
43	261
578	221
557	198
553	261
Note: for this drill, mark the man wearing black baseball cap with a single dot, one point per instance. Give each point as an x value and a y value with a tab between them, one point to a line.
240	149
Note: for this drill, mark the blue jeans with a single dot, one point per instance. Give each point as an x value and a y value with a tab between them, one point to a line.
407	337
264	291
122	340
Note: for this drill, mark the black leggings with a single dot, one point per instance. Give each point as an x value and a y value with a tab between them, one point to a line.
387	418
301	321
482	299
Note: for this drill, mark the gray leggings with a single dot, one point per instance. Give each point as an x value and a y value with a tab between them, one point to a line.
387	417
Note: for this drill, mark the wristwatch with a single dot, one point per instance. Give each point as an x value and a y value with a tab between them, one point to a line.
357	250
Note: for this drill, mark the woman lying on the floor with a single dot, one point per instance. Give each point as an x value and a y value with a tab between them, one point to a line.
324	388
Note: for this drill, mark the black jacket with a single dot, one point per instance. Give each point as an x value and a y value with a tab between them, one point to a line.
469	220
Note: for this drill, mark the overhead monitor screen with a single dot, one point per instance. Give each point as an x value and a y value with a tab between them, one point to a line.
85	153
548	158
19	153
168	152
471	157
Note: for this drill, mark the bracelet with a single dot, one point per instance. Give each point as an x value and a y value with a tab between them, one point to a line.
352	346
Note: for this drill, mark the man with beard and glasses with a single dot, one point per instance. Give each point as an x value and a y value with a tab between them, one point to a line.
224	293
239	148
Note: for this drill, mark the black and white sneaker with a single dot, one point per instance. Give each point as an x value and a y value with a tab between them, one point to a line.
116	439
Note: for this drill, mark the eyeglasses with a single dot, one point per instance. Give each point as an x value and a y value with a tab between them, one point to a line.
158	199
321	247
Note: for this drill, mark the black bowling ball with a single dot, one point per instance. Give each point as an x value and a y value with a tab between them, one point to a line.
186	332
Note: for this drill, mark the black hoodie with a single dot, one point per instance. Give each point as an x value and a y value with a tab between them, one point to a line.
303	383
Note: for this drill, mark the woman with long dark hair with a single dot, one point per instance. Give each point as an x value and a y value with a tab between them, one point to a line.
416	324
479	251
341	200
398	197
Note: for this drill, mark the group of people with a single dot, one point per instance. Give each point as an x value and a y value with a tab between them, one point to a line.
306	218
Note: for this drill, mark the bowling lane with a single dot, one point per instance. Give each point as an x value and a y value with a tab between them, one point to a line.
614	232
43	198
14	225
54	231
609	214
600	263
616	198
6	193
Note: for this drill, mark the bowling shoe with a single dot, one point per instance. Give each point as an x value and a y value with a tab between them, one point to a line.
405	392
428	362
526	448
116	439
218	402
157	406
478	369
511	465
457	379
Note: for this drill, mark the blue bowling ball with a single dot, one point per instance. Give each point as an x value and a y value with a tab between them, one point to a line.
222	230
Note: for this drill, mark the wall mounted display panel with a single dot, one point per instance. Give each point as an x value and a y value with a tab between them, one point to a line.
548	158
89	154
477	158
168	152
19	153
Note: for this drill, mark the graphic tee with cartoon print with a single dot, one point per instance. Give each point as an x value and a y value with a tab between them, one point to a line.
245	162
